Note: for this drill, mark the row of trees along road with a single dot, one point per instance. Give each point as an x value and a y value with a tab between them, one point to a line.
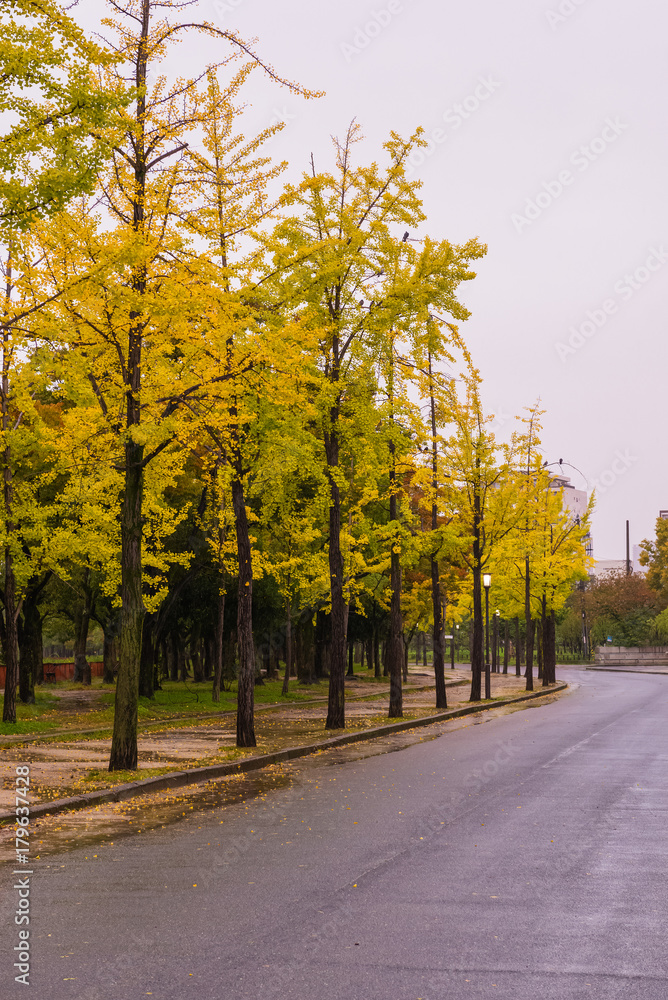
209	387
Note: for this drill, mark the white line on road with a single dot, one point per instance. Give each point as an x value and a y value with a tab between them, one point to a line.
576	746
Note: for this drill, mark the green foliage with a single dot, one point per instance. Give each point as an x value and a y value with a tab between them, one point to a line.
62	122
623	607
654	556
175	335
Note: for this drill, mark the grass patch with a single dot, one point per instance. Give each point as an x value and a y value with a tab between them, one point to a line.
175	699
40	717
102	778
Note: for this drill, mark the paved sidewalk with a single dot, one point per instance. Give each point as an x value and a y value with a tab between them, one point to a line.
90	817
71	767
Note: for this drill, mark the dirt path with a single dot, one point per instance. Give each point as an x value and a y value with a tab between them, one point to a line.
103	823
63	768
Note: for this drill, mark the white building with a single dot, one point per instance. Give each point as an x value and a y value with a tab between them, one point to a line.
574	500
604	566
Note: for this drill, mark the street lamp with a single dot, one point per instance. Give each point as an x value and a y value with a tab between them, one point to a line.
487	583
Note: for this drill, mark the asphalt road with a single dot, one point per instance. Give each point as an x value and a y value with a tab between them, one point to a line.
526	857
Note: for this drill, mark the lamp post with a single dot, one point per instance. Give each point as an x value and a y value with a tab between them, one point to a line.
495	642
487	583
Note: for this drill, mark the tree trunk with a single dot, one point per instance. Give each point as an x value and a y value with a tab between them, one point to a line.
549	650
147	659
163	674
246	675
230	656
196	657
82	674
110	650
124	740
174	661
319	645
437	634
107	662
218	644
351	660
336	711
182	660
518	649
306	649
539	641
506	643
376	653
436	601
529	627
11	642
10	634
30	643
395	642
263	653
288	646
26	667
274	659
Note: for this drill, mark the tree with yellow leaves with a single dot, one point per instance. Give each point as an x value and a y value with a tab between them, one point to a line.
148	335
62	122
346	267
484	493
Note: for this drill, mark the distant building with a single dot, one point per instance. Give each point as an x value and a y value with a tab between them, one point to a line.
663	513
637	568
574	500
603	566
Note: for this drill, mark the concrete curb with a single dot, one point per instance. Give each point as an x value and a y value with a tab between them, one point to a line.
630	670
178	779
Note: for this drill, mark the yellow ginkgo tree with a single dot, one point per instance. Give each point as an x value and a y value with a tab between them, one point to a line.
61	122
147	333
345	265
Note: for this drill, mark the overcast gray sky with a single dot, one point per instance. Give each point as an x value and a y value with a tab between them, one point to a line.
547	120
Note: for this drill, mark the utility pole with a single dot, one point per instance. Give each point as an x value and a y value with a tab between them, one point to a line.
628	551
